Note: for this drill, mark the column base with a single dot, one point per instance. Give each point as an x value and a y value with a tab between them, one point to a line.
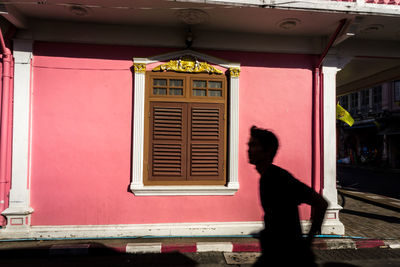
332	225
18	218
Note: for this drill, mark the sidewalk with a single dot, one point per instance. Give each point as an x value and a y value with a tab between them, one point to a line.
184	245
371	221
370	215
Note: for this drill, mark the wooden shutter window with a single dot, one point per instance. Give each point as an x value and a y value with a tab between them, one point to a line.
206	141
167	141
185	140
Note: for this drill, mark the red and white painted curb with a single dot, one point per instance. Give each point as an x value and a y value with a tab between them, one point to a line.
221	246
193	247
355	243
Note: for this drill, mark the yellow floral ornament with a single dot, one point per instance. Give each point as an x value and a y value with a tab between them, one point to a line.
234	72
139	67
188	64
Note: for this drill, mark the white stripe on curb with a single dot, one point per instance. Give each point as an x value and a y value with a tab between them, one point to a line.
143	248
214	246
392	243
342	244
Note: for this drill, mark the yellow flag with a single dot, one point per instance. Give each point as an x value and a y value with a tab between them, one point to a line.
343	115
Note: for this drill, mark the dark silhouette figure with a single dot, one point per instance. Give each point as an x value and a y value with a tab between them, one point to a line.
282	241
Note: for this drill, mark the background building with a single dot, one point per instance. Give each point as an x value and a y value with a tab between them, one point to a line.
374	137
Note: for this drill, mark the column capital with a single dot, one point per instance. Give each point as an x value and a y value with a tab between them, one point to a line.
23	50
139	67
335	62
234	72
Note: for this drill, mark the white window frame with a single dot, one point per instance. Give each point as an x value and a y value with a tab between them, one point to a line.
137	186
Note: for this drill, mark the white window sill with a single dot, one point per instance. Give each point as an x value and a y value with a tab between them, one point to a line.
185	190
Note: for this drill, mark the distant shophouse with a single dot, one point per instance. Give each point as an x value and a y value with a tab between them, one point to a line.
375	136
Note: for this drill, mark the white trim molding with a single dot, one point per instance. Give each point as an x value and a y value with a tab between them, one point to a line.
201	229
137	186
193	190
137	230
19	210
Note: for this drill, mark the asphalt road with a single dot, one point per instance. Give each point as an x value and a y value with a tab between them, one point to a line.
326	258
377	181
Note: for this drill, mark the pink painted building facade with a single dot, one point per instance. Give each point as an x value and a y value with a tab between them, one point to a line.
83	134
75	166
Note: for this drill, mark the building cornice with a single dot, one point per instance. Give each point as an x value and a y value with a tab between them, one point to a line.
357	7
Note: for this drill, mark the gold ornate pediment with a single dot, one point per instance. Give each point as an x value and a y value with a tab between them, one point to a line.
188	64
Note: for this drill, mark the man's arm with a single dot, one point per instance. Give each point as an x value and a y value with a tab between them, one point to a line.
318	206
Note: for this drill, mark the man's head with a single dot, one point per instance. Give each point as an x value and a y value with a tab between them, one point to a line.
263	145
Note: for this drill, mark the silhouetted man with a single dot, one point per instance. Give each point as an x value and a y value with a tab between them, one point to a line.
282	242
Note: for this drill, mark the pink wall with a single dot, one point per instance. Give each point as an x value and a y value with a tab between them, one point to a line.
385	2
81	136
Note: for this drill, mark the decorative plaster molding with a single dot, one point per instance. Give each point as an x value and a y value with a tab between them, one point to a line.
177	54
139	67
234	72
192	16
188	64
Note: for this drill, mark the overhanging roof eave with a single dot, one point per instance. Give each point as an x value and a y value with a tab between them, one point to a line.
358	7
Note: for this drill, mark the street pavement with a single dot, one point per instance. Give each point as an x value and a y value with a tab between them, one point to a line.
385	182
372	202
370	215
372	225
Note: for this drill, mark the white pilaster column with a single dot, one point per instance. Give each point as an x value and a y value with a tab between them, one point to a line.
234	126
138	125
19	210
329	81
332	223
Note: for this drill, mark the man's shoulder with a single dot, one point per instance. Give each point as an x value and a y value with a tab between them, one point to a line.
284	175
279	170
293	186
277	174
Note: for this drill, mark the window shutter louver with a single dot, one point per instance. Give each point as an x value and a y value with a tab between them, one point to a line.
167	141
205	141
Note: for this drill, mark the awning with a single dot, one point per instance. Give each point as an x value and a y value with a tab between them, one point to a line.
362	124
